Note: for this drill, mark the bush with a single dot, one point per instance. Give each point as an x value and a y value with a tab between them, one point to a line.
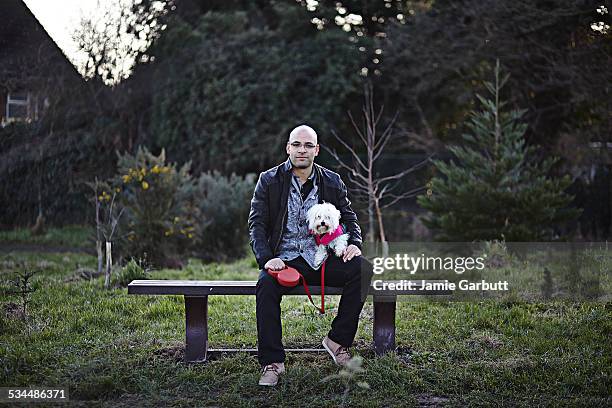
158	200
223	208
132	270
47	174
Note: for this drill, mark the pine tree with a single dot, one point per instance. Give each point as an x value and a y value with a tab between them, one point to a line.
497	188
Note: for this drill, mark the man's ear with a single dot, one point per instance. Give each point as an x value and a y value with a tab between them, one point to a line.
317	150
287	147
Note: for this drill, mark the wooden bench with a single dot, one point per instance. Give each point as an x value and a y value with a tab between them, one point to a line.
196	308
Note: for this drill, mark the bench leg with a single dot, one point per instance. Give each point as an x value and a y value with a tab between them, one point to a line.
196	319
384	327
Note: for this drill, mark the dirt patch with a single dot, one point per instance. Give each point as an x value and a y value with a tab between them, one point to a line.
12	310
485	341
428	400
174	352
83	274
404	354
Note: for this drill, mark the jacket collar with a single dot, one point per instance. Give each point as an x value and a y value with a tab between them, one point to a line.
287	165
286	168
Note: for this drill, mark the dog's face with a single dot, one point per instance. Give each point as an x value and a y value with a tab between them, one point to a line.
323	218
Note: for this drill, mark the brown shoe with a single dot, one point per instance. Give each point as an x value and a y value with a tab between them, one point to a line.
270	374
339	353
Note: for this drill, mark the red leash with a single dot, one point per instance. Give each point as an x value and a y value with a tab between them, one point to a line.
322	308
290	277
323	287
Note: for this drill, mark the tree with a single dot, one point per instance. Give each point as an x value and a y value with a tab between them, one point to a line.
497	189
115	39
106	225
365	180
558	66
230	91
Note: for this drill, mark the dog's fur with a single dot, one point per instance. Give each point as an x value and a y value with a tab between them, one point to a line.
324	219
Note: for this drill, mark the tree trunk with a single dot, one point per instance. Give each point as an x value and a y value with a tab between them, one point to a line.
109	264
381	230
98	238
100	255
371	224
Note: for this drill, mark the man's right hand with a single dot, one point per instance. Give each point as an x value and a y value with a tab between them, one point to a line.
275	264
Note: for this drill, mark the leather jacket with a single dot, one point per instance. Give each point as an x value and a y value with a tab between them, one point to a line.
268	215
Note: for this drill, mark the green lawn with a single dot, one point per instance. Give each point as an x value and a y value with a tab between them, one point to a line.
119	350
75	236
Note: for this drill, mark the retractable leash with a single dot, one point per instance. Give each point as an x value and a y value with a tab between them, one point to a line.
290	277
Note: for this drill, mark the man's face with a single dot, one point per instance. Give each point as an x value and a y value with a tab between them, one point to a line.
302	149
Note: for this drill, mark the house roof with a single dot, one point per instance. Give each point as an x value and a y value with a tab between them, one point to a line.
21	34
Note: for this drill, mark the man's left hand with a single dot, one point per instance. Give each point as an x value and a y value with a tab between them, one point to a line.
350	252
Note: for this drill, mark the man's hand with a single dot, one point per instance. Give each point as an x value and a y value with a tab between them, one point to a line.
350	252
275	264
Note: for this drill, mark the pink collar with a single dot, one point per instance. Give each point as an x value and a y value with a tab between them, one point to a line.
325	239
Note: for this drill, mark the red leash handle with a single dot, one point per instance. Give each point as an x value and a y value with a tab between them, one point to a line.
291	277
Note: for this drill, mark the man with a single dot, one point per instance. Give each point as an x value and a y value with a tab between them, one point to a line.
279	236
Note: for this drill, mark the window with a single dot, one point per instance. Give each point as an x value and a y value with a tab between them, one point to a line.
21	106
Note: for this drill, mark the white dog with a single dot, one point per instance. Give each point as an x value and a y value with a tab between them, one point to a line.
324	223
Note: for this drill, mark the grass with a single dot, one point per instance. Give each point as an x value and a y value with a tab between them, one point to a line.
113	349
75	236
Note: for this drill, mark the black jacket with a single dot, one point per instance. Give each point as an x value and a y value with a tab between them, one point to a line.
268	215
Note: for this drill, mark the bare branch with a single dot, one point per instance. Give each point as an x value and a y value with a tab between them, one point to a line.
359	133
402	196
116	221
407	171
344	165
350	149
110	209
386	136
357	185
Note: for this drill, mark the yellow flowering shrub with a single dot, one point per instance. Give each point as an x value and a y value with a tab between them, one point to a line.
158	198
104	196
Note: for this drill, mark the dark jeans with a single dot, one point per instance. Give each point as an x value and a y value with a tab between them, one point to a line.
350	275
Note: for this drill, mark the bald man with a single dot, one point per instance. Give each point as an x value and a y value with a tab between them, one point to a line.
279	237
